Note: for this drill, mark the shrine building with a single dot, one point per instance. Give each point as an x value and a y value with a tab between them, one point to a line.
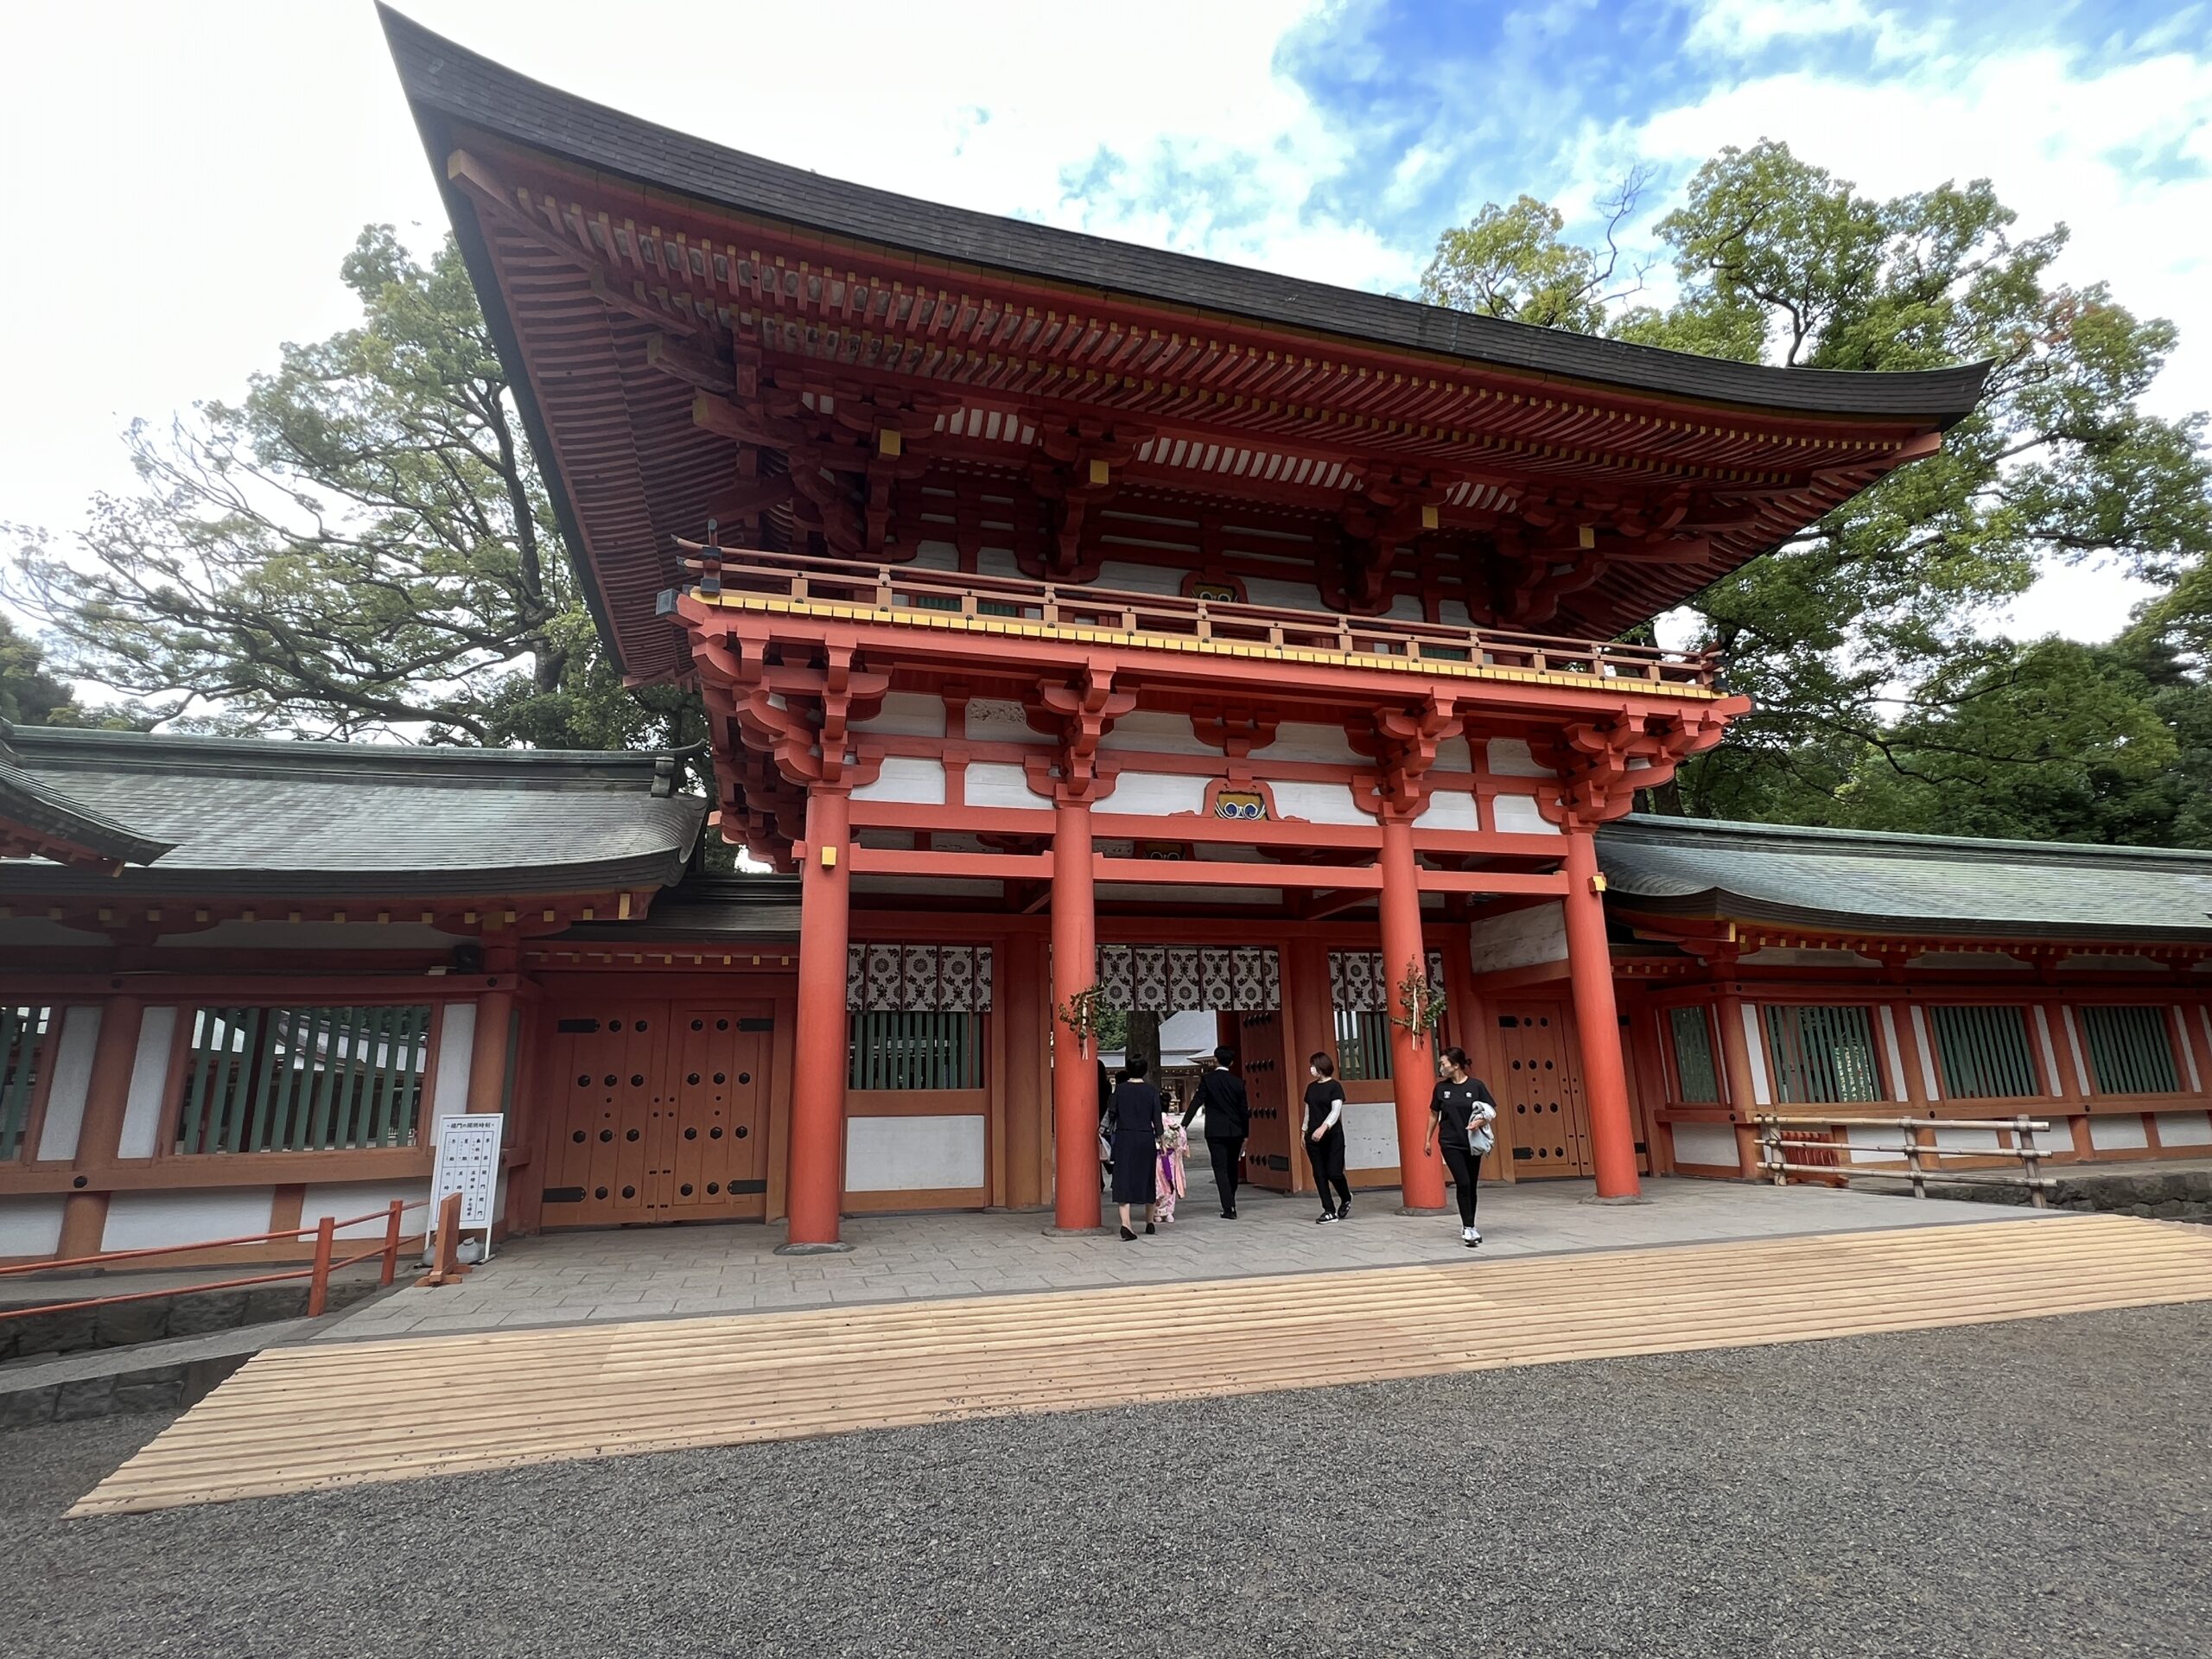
1082	627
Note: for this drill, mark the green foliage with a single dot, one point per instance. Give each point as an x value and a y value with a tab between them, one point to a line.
1879	697
362	544
29	695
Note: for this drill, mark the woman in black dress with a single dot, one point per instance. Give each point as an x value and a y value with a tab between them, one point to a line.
1136	1144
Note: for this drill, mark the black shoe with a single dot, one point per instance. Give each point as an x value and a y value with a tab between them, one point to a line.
1326	1215
1149	1228
1128	1235
1229	1215
1344	1210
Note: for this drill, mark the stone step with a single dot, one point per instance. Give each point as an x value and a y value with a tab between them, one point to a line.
185	1313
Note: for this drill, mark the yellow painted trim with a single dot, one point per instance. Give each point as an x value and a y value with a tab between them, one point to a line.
1017	628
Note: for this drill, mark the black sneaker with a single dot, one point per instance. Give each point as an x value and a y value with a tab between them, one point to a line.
1344	1210
1326	1215
1229	1215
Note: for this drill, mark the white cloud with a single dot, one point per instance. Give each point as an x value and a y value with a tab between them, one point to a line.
1741	28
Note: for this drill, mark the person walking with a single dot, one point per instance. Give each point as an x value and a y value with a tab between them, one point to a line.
1325	1137
1461	1114
1175	1149
1228	1111
1136	1144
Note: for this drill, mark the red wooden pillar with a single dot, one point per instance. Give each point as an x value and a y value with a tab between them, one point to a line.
487	1058
1075	970
817	1183
1590	970
107	1092
1413	1068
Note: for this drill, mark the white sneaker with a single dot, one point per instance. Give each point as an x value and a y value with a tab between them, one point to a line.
1471	1235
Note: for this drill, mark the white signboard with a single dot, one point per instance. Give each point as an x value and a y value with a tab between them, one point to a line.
468	1163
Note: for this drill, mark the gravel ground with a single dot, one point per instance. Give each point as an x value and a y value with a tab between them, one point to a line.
1856	1496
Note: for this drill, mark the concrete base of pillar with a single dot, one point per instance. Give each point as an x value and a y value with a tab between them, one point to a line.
1634	1197
1423	1209
1017	1209
839	1249
1105	1229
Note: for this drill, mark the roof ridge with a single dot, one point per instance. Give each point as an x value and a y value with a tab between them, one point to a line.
425	60
39	747
1652	823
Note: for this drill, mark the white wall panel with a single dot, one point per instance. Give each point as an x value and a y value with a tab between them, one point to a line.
456	1053
1705	1143
1896	1084
345	1199
935	556
1159	731
1509	758
31	1225
1517	815
1755	1039
907	1154
1962	1139
2184	1129
150	1079
1318	803
1314	744
2057	1084
1451	808
906	778
906	713
72	1073
995	782
1519	939
1935	1089
1370	1134
1291	595
1154	794
1140	578
140	1220
2120	1132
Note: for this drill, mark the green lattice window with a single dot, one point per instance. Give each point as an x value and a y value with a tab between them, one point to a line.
1362	1045
1823	1056
1982	1052
2130	1051
915	1051
280	1079
1695	1074
23	1050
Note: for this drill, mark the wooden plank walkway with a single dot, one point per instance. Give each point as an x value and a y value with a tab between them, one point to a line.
297	1418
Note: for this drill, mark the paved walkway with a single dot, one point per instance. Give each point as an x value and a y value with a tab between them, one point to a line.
662	1272
320	1415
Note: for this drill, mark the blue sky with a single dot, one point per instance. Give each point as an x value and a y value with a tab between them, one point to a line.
234	148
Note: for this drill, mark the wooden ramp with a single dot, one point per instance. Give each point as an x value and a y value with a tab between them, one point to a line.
336	1414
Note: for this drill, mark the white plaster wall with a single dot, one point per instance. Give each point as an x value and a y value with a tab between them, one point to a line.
1159	731
1792	956
344	1199
1705	1143
1454	754
2184	1128
456	1052
996	561
1519	939
1291	595
2188	1050
2110	964
906	778
906	713
1980	962
1961	1140
140	1220
1318	803
937	556
72	1078
1509	758
1451	808
1155	794
1893	1073
2057	1084
31	1225
1454	613
1517	815
1370	1134
997	783
1755	1039
1407	607
2073	1046
1314	743
2122	1132
905	1155
1140	578
996	719
1929	1082
149	1076
1863	1135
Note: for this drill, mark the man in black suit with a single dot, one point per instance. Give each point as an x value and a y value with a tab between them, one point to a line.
1228	1120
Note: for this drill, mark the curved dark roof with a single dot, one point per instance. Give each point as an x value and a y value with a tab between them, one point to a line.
247	815
443	80
39	813
720	908
1897	884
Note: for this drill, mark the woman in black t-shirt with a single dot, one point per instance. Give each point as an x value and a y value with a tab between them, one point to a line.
1460	1115
1325	1137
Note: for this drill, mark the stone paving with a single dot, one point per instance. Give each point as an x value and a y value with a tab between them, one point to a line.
662	1272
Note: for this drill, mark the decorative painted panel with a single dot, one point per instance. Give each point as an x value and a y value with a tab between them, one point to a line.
885	978
1357	980
1179	978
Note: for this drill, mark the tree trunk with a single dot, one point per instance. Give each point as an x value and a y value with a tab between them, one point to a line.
1144	1040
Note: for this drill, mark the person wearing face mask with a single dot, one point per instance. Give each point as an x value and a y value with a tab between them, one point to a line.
1325	1137
1461	1114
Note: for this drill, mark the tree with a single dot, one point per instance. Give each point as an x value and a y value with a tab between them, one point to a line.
1512	263
361	546
1861	640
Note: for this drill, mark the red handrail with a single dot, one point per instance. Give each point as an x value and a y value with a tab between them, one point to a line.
317	1273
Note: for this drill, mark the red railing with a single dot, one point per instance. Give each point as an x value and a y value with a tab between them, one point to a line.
317	1273
894	588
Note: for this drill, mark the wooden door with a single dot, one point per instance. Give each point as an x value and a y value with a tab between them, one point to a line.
1539	1089
660	1115
1262	1064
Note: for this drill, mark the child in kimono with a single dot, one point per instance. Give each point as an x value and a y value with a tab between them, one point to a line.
1174	1147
